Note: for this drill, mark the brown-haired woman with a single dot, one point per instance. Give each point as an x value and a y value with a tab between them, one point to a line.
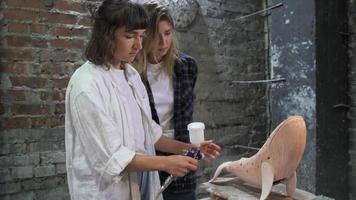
110	135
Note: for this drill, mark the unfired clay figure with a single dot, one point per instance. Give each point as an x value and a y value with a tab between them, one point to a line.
277	160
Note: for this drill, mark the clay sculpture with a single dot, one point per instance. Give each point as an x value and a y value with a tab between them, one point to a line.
276	161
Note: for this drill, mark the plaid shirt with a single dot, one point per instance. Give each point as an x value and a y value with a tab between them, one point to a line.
183	86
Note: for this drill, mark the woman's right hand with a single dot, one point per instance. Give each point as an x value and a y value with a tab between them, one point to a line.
179	165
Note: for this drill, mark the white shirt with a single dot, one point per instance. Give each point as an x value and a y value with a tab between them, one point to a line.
135	111
162	90
100	134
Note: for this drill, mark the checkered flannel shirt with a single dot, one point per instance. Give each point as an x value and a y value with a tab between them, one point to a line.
183	85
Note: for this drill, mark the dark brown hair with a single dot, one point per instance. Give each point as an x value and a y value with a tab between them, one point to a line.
112	14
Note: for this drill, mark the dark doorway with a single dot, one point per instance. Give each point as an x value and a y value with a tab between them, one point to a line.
331	97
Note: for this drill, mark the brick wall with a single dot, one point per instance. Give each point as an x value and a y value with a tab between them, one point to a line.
41	45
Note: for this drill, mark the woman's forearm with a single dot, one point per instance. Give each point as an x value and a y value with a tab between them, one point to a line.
146	163
168	145
176	165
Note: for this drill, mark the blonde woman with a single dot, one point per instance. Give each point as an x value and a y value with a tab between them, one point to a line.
169	77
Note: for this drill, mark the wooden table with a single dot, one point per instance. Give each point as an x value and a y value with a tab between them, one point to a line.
235	189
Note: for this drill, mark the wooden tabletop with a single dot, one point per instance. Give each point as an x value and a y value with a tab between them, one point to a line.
235	189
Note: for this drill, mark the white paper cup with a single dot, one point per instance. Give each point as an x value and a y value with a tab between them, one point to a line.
196	132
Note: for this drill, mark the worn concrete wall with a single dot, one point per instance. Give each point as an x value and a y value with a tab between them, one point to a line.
228	50
308	49
352	93
293	58
41	45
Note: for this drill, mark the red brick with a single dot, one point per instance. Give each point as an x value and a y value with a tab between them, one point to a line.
62	43
15	122
47	122
17	54
59	109
60	83
18	41
40	122
58	18
57	120
45	55
62	31
45	95
70	6
58	56
52	95
58	96
12	95
41	70
85	21
18	14
31	82
39	42
30	109
80	32
37	28
17	95
17	28
26	3
14	68
59	69
54	69
66	31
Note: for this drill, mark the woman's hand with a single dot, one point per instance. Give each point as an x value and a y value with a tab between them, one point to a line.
178	165
210	150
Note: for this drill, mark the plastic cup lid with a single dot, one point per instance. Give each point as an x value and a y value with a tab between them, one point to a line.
194	126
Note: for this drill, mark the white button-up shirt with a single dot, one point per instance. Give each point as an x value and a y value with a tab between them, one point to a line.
100	134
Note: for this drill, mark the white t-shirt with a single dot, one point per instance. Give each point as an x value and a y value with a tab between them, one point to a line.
162	91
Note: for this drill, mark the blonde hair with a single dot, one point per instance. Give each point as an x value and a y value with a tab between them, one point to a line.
156	14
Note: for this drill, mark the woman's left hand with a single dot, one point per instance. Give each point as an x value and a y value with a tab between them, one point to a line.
210	150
